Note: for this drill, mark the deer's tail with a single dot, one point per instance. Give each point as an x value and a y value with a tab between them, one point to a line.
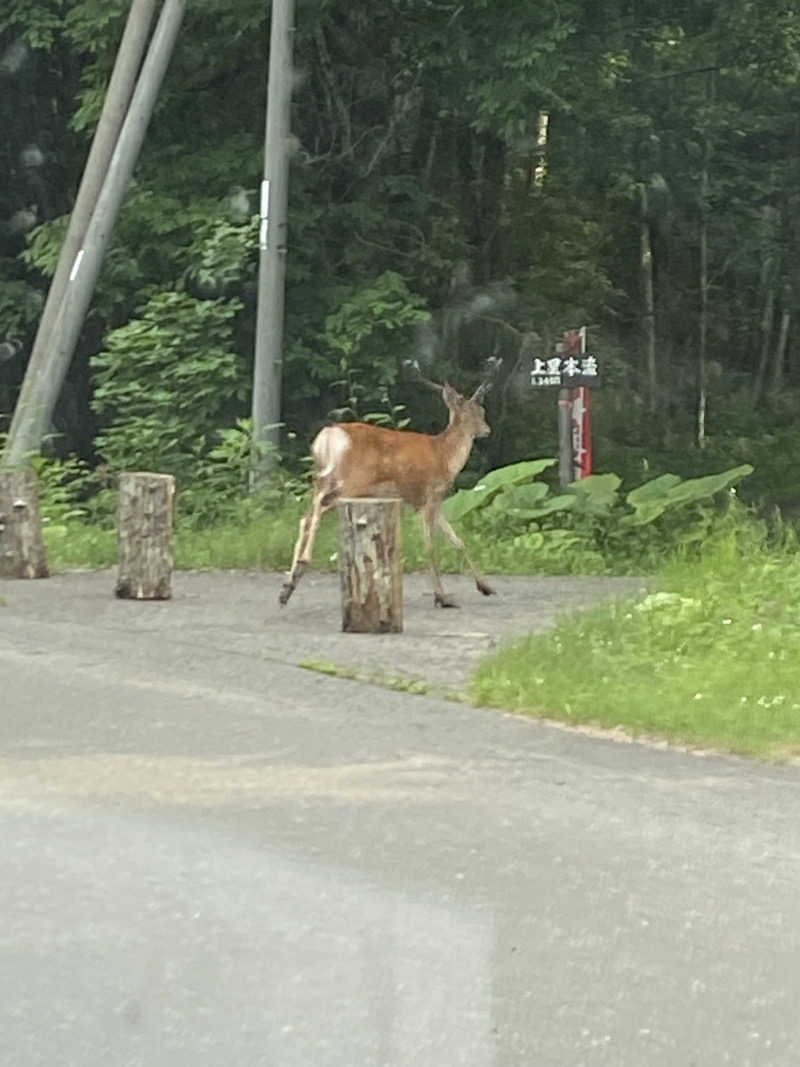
328	449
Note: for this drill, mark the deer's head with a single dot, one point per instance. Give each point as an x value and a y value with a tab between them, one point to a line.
468	412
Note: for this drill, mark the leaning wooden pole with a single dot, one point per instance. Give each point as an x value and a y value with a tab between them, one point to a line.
43	380
371	565
22	553
144	536
28	426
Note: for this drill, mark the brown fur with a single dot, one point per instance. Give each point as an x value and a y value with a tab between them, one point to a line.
419	468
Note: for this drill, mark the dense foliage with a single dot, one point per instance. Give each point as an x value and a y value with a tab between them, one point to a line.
430	216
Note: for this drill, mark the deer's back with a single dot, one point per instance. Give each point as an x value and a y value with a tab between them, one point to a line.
370	460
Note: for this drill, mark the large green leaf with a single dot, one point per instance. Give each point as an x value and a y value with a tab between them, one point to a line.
547	507
652	490
521	496
597	494
704	488
531	501
647	511
650	500
667	492
467	500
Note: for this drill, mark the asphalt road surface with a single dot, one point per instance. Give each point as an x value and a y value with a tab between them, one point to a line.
209	856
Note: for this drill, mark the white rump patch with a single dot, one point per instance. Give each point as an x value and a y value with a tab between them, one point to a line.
328	449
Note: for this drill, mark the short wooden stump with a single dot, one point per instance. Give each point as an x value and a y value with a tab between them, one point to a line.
144	536
22	552
371	565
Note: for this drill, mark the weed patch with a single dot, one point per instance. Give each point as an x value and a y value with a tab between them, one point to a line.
711	659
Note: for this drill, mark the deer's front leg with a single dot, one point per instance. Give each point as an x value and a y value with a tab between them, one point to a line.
455	540
440	598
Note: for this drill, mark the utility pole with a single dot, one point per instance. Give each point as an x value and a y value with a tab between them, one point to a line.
30	420
43	382
272	238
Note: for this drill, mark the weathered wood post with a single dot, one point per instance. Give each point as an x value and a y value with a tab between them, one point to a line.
22	553
371	565
144	536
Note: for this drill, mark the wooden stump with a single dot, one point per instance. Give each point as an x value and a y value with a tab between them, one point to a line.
144	536
22	553
371	565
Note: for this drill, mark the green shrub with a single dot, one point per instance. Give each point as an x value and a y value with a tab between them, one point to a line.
591	524
166	383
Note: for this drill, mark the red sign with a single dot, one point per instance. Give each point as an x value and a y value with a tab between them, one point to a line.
581	420
574	343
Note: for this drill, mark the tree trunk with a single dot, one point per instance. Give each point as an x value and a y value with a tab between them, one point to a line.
371	565
776	377
766	331
703	338
144	536
702	350
22	553
649	316
540	170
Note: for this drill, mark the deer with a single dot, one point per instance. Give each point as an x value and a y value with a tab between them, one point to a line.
358	459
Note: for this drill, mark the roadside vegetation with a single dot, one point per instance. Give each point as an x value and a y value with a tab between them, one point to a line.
513	519
712	658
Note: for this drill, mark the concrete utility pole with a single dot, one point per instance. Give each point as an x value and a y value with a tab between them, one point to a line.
87	237
272	244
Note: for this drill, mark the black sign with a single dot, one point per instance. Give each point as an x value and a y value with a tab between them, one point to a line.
565	371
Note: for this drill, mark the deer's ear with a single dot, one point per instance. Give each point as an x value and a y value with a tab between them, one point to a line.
451	397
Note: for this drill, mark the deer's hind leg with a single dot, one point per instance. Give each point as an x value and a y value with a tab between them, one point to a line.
324	499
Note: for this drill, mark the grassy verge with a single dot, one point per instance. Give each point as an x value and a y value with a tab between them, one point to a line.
265	542
712	659
75	544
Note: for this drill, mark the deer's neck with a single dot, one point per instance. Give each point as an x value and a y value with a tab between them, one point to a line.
456	444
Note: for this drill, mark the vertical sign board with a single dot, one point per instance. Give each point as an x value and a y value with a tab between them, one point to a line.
580	410
574	371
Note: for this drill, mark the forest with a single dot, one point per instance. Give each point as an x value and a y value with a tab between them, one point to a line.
467	181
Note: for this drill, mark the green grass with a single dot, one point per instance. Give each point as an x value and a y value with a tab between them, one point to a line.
261	542
711	660
407	684
74	544
265	541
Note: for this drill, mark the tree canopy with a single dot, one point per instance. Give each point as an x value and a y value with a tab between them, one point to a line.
468	180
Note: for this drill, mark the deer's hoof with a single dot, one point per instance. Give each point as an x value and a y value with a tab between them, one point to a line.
486	589
285	593
441	600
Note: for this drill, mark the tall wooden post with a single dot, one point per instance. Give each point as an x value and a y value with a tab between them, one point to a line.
144	536
22	553
44	379
564	437
371	565
268	365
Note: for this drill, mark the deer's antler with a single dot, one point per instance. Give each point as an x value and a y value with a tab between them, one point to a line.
494	363
413	364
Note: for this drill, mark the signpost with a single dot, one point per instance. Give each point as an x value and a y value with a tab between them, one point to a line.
574	371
